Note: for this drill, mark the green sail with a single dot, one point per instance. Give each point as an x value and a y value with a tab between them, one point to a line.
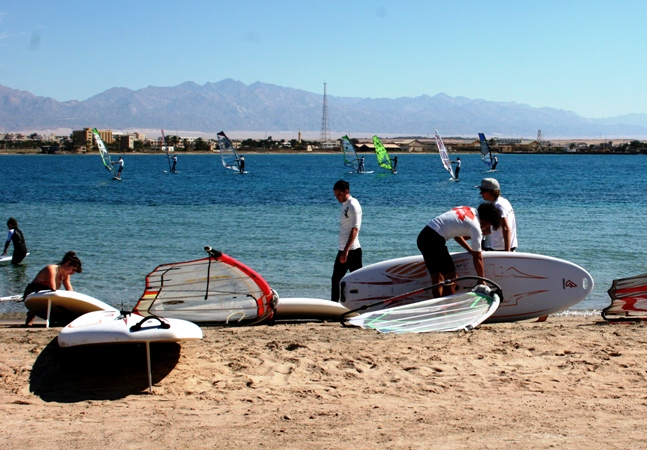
382	156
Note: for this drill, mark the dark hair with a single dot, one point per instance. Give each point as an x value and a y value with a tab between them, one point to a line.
71	259
12	223
341	185
488	212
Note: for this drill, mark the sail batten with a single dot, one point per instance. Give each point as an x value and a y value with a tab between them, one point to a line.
382	155
228	154
444	156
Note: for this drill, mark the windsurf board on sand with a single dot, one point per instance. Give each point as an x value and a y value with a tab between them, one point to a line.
7	258
61	307
308	309
532	285
112	327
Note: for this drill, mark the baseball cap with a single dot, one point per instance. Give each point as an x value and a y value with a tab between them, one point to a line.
490	184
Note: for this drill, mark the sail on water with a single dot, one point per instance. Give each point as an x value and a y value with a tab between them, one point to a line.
105	156
444	156
228	154
215	289
486	154
382	156
350	154
166	147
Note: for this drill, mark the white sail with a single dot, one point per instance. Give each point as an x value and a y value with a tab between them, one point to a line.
215	289
166	147
228	154
455	312
105	156
444	156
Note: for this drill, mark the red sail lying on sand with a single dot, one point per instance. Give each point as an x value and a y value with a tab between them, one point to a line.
628	299
216	289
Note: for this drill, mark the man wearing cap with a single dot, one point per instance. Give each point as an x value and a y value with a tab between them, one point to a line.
505	238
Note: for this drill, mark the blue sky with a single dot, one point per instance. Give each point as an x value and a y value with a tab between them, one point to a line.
588	57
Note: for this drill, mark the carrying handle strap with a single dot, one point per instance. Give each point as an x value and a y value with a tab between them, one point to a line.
163	323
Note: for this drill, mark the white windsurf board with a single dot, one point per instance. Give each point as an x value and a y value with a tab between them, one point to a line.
62	307
111	327
7	258
308	309
532	285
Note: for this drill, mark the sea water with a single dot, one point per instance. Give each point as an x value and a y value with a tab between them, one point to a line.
282	219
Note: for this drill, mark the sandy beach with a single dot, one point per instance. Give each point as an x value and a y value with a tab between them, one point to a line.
567	383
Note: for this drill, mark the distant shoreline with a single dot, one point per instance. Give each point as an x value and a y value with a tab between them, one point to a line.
37	151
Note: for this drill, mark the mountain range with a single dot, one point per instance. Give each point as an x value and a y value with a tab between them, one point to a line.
233	105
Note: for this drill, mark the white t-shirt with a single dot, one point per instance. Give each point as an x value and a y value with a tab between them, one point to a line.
495	239
350	217
460	221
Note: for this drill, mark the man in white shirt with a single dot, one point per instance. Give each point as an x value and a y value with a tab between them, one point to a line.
457	224
349	256
505	238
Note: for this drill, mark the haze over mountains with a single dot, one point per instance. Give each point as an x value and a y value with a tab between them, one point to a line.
232	105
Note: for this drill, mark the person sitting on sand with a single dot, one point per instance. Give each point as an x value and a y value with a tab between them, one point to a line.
51	277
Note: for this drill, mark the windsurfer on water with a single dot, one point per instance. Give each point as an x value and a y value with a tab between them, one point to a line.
458	167
120	162
360	166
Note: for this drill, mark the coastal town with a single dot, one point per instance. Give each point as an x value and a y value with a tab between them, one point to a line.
80	141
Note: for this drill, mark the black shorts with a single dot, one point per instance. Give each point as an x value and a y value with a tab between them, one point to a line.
434	251
34	287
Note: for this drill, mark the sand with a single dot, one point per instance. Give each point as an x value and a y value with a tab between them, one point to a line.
570	382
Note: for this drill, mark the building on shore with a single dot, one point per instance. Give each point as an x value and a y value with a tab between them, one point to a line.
83	140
